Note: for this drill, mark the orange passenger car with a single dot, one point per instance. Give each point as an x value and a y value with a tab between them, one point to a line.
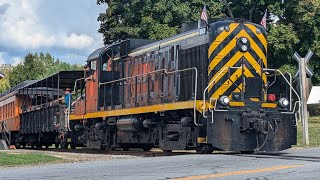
10	109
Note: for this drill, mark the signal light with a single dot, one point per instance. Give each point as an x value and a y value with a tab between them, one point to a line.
271	97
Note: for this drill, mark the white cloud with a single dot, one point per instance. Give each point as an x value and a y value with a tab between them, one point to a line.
73	58
2	61
16	60
21	27
77	41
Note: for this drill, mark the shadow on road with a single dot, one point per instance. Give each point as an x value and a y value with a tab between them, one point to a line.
282	155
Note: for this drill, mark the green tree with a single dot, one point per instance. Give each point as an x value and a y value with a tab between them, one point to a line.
298	27
153	19
4	83
30	69
36	66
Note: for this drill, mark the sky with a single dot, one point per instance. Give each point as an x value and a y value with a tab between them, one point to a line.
67	29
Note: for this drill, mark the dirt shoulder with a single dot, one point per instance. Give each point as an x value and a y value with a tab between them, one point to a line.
70	156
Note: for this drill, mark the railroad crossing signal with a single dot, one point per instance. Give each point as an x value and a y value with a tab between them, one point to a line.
303	70
306	59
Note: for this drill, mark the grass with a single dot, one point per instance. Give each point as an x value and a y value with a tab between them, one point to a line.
314	132
7	159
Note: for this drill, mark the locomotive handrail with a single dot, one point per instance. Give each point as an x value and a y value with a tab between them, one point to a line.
294	110
67	115
214	108
211	83
290	94
131	77
171	72
68	112
291	88
5	131
290	100
75	84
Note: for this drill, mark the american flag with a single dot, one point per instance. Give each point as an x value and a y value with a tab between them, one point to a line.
264	20
204	15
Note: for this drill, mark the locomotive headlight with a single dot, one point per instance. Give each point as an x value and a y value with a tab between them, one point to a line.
244	40
283	102
244	48
243	44
224	100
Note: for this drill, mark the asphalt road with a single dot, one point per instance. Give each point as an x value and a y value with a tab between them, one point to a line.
290	164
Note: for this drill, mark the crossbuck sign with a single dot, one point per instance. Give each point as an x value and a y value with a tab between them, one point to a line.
306	59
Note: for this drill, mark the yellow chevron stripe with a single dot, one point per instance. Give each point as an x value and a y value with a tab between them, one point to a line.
233	61
253	62
260	36
247	72
255	47
221	38
230	63
255	65
236	75
237	104
222	54
231	45
254	99
269	105
227	84
238	89
264	77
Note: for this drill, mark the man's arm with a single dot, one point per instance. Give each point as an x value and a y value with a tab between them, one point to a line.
89	78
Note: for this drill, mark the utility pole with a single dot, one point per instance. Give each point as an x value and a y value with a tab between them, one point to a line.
302	72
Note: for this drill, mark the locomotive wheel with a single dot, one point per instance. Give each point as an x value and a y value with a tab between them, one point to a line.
205	150
39	146
125	148
103	147
73	146
147	148
64	145
56	145
18	145
47	146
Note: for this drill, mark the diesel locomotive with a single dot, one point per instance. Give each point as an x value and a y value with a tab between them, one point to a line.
205	89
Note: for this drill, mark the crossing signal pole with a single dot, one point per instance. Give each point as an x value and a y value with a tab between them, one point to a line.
302	72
